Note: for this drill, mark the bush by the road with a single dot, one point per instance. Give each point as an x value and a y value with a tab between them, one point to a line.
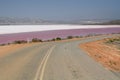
70	37
19	42
36	40
58	38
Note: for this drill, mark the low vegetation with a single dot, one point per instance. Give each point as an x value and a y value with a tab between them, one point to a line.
58	39
113	40
36	40
70	37
55	39
19	42
2	44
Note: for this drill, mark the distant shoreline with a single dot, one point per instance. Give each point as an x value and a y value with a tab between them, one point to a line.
51	34
8	29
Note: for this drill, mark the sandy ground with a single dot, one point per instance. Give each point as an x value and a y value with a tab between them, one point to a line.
8	49
108	56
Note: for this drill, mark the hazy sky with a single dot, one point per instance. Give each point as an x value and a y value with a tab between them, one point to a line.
61	9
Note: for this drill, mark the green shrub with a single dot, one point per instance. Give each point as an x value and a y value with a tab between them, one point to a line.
58	38
36	40
20	42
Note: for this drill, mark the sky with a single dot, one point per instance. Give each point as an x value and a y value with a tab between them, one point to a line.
61	9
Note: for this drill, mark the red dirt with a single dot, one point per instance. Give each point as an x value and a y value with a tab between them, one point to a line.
108	56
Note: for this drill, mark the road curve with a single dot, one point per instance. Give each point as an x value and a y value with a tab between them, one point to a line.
53	61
